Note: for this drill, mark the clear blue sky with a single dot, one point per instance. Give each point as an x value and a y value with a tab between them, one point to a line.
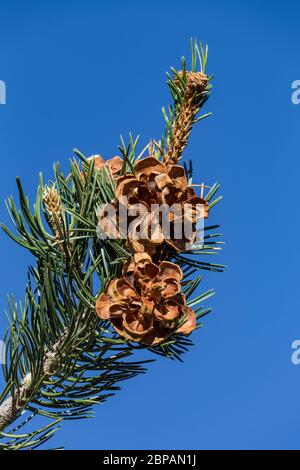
80	73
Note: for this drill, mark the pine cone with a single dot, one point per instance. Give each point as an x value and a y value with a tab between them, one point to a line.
146	305
154	183
114	164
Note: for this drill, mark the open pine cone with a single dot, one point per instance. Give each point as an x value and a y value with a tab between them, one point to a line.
146	305
114	164
155	183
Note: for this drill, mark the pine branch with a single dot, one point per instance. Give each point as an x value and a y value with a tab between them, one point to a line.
10	409
57	333
61	357
190	91
195	84
15	404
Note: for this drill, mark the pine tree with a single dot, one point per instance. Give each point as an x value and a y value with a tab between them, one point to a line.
61	357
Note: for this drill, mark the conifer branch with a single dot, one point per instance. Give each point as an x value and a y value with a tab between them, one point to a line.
190	91
183	123
66	352
15	404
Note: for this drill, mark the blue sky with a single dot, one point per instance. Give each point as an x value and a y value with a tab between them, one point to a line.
81	73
